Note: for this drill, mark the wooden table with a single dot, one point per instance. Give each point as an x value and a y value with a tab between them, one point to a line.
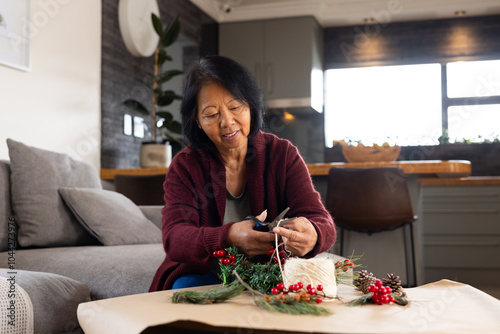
425	168
440	307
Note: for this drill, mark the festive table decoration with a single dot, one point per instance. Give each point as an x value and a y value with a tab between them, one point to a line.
293	285
388	290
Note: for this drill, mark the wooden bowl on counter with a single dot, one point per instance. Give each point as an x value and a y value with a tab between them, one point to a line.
370	154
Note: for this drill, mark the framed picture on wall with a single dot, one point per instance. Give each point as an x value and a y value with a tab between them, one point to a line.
14	34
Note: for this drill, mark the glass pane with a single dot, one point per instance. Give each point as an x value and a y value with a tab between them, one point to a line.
397	104
473	78
477	123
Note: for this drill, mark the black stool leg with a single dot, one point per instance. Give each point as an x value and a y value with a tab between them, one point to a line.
407	258
413	254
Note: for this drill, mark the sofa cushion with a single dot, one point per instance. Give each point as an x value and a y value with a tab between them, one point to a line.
6	218
109	271
110	217
54	298
36	175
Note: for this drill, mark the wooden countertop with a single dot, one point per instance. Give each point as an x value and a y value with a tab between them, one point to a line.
463	181
429	168
450	168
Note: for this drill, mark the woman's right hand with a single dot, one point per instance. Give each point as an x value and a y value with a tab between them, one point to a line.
247	240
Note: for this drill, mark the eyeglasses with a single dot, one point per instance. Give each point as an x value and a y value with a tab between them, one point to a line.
215	116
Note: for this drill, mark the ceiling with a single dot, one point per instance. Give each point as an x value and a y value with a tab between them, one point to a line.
331	13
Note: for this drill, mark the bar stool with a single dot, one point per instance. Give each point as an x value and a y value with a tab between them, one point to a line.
372	200
141	189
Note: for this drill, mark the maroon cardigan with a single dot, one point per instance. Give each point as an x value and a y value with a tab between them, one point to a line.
195	197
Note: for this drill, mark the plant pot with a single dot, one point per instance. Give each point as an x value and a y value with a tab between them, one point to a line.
155	154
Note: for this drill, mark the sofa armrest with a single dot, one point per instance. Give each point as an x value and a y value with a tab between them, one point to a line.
153	213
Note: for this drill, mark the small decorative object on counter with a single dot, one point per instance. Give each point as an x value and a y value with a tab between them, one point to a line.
363	153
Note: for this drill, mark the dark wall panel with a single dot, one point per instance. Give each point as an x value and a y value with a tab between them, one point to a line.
412	42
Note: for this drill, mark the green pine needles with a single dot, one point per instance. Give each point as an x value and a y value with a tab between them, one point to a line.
215	295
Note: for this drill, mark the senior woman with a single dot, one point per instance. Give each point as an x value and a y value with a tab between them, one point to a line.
229	170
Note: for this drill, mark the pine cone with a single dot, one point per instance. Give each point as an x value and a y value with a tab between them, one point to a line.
363	280
394	282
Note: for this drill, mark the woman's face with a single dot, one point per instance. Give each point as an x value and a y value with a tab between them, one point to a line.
223	118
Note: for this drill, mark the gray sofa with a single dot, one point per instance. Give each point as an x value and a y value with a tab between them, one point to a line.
65	240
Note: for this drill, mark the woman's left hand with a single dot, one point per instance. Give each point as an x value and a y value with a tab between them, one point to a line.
299	236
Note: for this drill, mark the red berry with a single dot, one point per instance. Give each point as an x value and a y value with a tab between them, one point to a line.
227	260
215	253
345	269
347	261
280	286
392	299
378	283
309	286
232	257
221	261
270	252
222	253
311	291
275	291
291	288
388	289
371	288
319	287
318	300
300	285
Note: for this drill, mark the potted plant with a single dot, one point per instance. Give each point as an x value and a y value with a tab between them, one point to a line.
155	153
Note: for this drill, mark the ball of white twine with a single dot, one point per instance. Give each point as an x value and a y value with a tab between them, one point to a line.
311	271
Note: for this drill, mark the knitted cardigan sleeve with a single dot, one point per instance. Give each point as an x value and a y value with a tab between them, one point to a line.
191	223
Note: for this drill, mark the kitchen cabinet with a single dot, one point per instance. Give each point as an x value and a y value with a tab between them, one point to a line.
284	55
461	238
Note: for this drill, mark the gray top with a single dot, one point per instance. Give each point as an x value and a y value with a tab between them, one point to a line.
237	208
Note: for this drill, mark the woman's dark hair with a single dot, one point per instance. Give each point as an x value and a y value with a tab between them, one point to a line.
232	76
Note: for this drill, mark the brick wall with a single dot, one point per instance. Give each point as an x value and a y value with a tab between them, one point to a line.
119	69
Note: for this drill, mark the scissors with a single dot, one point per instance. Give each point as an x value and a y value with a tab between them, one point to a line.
267	226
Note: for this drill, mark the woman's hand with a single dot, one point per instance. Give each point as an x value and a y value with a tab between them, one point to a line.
247	240
299	236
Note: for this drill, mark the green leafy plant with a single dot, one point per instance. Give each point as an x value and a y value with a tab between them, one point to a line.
171	129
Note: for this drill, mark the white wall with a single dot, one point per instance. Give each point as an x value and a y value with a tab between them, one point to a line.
56	106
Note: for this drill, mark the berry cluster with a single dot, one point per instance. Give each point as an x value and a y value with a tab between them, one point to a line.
281	254
227	260
344	266
308	294
380	294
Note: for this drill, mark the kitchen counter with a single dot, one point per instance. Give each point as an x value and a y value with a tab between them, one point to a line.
462	181
424	168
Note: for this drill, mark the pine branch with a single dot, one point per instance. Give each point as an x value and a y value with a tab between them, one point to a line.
215	295
291	307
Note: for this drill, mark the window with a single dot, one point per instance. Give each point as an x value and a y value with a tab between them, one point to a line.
397	104
473	78
403	104
473	101
474	123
